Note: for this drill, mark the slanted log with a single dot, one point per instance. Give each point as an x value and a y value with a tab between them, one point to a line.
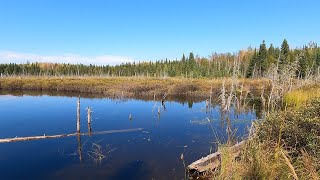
213	161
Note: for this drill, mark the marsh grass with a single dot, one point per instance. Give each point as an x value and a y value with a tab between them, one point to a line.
257	161
299	97
124	86
286	145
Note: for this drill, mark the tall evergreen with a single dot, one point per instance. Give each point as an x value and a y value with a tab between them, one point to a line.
183	59
303	64
191	64
262	58
271	50
191	57
252	65
272	55
284	54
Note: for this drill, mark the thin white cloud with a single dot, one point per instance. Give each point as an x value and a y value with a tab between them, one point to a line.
15	57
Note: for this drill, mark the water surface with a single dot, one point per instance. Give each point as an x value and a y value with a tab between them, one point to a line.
153	153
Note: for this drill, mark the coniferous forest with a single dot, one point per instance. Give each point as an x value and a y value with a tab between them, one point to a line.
251	63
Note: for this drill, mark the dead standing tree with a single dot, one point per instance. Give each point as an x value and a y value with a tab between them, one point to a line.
89	112
78	115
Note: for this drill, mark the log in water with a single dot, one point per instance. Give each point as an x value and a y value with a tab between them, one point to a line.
6	140
212	161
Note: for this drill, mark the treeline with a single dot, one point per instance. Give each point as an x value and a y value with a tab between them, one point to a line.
249	63
305	60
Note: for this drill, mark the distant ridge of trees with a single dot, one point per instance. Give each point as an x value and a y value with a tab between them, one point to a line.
251	63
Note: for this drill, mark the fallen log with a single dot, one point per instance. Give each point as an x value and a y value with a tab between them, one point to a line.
212	161
7	140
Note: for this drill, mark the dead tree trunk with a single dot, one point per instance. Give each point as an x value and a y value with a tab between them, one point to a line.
89	120
78	115
89	114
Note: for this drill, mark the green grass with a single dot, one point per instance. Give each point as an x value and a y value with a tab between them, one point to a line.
299	97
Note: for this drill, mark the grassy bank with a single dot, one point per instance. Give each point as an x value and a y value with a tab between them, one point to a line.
286	145
133	86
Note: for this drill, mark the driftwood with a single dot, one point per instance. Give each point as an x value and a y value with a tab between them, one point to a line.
212	161
6	140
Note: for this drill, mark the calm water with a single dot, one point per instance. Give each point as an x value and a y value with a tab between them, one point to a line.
153	153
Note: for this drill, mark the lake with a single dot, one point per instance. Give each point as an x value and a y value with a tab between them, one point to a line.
182	126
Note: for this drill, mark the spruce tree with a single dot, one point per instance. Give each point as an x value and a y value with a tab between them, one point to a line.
271	50
272	55
262	58
303	63
183	59
252	65
191	57
191	63
284	54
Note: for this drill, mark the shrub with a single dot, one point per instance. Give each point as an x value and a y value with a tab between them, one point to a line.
297	128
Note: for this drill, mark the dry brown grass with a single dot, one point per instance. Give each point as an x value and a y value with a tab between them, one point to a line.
127	86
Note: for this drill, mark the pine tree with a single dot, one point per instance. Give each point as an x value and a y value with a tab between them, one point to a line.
183	59
303	63
190	64
271	50
191	57
262	58
252	65
284	54
272	55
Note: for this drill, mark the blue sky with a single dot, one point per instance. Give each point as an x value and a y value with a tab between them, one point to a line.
112	31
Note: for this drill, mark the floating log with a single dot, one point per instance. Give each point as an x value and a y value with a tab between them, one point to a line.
212	161
6	140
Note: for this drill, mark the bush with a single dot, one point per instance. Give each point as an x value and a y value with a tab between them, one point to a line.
298	130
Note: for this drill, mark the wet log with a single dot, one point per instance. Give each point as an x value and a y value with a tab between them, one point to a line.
7	140
212	161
